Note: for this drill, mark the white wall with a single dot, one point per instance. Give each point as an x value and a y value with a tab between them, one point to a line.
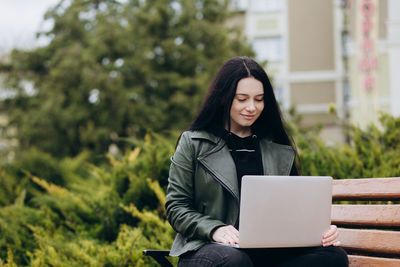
393	25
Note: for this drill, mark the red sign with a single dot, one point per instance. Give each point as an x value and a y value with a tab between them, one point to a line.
368	63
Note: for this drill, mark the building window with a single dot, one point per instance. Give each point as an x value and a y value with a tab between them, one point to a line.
266	5
345	42
270	49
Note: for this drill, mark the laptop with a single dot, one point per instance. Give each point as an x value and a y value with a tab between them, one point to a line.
284	211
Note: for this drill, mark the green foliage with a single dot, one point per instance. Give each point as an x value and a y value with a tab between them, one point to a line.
14	178
106	215
116	69
10	260
11	188
14	230
93	218
373	152
61	250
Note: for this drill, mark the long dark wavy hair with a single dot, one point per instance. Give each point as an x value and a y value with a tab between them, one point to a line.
214	114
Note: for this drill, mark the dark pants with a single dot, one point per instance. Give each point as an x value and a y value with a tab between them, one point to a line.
219	255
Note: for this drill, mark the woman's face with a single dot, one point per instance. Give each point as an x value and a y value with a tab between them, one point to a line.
247	105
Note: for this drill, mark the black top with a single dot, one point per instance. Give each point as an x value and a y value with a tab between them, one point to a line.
246	154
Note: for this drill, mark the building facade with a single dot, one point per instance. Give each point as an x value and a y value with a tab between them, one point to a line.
318	57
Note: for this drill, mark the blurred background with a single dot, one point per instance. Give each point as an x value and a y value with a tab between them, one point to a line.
329	52
339	56
94	94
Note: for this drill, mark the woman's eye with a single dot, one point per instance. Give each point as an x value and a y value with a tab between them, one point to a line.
260	99
241	99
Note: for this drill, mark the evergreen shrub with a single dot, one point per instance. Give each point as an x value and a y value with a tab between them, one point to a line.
106	215
370	152
95	218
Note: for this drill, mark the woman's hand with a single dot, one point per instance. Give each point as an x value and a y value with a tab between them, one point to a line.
226	234
331	237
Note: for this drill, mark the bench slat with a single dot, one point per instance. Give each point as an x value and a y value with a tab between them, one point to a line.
377	241
373	215
366	188
372	261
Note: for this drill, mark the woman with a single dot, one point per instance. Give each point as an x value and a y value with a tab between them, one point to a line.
238	131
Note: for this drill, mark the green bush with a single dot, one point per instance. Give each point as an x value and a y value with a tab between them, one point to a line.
94	218
15	234
106	215
373	152
14	178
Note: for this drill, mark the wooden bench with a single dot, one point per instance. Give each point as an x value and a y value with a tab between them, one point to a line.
369	232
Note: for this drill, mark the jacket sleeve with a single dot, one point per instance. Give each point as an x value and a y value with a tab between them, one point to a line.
181	214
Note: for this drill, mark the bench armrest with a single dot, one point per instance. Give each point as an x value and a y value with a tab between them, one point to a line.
159	256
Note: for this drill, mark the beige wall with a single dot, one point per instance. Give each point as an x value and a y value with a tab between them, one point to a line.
352	20
312	93
313	119
237	19
311	44
383	16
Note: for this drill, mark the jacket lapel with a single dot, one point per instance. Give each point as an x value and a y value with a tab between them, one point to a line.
220	164
277	159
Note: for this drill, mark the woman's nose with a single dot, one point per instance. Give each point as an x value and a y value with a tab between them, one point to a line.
251	106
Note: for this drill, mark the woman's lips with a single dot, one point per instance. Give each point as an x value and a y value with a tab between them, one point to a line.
248	117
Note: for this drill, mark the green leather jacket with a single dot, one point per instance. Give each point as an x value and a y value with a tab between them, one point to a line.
203	191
